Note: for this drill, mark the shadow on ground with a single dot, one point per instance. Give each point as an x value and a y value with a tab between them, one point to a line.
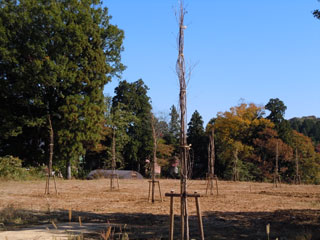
285	224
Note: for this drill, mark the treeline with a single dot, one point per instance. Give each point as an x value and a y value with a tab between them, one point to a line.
308	126
247	143
55	59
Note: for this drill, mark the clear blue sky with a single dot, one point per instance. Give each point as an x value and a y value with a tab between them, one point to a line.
248	49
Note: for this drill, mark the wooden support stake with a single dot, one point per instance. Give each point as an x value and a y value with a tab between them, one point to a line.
276	176
160	191
217	185
70	214
152	183
149	191
196	196
199	217
112	177
80	223
171	217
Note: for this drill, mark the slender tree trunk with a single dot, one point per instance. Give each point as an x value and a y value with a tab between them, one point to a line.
297	163
113	164
180	68
50	146
154	155
277	159
211	153
235	165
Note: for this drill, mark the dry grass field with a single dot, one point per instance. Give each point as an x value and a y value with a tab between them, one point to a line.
240	211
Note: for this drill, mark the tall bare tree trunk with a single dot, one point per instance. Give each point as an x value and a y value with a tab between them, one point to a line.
297	163
180	68
154	155
113	164
235	165
211	153
47	188
50	146
277	159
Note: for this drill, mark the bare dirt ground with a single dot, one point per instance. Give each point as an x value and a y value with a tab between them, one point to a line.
240	211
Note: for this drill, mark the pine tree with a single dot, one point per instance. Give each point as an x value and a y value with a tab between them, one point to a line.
174	128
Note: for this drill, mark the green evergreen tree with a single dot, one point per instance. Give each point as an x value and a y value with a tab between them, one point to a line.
56	56
174	128
197	138
277	110
135	101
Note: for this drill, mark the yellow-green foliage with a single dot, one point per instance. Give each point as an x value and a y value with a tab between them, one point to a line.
11	169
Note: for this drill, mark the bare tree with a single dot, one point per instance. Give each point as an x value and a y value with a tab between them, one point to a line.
297	178
235	170
276	176
211	161
154	161
211	155
51	144
181	72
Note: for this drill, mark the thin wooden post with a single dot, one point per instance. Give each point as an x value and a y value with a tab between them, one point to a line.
149	191
196	196
49	174
151	182
171	217
235	165
113	157
217	185
276	176
160	191
152	191
199	216
211	160
210	179
297	178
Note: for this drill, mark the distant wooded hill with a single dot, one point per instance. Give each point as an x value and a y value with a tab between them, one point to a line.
309	126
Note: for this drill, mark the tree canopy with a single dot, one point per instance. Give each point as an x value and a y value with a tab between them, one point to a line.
56	56
135	101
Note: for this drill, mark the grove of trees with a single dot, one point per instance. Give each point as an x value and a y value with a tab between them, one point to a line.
56	56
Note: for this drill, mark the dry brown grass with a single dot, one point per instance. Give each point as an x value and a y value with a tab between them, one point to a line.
243	207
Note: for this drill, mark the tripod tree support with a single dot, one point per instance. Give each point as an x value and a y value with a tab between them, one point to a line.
153	182
199	215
